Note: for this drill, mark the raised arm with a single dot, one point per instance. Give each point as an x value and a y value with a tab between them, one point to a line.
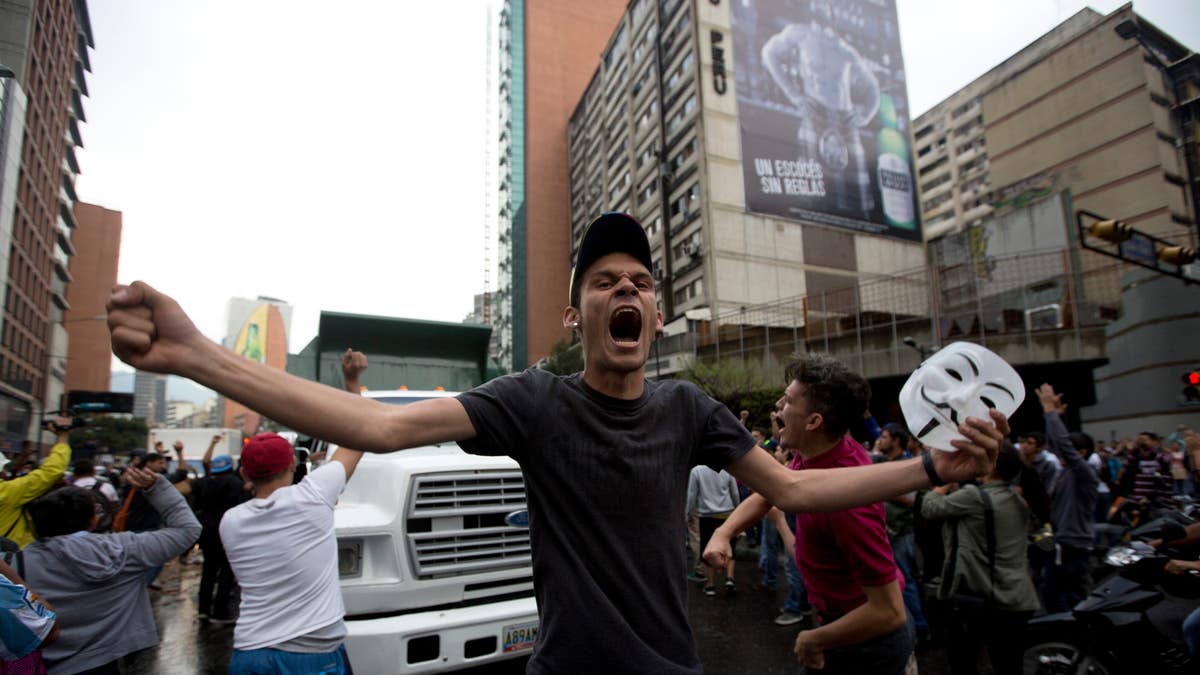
151	332
353	365
1058	439
206	461
34	484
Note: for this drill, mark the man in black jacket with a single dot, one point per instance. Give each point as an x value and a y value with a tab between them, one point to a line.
220	490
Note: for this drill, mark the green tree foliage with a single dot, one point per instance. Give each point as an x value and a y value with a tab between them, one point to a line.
119	435
565	358
739	384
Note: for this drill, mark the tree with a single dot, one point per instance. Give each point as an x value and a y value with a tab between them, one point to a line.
739	384
565	358
119	435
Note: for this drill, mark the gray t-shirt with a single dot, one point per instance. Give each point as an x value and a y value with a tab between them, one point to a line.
606	482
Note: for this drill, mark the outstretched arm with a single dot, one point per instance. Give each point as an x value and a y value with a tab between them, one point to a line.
848	487
151	332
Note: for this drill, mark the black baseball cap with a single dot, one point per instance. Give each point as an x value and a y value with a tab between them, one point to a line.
610	232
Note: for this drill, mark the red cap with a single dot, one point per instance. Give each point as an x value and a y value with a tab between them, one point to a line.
266	455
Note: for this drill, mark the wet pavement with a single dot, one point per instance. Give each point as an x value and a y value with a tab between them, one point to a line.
735	632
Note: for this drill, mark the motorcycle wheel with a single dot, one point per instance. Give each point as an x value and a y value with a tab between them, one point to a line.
1062	658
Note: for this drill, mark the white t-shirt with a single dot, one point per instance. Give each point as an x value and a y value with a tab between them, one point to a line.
284	554
105	488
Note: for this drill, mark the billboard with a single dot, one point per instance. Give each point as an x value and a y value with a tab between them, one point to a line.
823	114
262	338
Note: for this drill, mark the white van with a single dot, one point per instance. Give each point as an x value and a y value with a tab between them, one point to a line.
434	558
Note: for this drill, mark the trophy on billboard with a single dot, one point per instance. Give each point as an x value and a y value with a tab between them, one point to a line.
829	82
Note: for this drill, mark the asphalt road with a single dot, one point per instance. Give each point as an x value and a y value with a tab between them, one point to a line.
735	632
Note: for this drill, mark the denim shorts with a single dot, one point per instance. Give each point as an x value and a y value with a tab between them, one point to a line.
278	662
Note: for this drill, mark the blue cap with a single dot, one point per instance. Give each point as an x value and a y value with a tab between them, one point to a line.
221	464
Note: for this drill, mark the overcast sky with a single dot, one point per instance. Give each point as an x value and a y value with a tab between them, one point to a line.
332	154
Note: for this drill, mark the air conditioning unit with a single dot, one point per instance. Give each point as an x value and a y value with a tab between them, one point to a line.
1046	317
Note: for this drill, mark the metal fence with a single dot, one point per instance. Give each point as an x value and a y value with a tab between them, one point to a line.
1039	306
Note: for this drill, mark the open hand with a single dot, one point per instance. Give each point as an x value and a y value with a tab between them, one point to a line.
976	454
150	331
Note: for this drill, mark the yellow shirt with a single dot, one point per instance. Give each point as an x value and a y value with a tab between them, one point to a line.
16	493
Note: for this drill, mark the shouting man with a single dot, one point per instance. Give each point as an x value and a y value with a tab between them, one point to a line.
605	453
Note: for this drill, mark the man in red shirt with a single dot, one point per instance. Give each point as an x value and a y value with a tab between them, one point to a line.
844	556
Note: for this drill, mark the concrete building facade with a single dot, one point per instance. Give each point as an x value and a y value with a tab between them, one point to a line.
94	272
548	50
44	44
657	134
1081	110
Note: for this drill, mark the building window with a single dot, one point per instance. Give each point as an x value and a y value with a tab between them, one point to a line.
686	202
685	154
648	191
682	114
690	292
647	115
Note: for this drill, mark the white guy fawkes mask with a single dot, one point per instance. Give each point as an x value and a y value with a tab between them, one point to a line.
960	380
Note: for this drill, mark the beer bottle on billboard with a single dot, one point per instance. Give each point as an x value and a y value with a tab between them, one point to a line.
895	173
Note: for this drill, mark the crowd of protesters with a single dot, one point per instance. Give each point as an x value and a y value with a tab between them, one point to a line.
989	554
607	556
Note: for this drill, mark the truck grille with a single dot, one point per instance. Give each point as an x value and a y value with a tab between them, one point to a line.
456	523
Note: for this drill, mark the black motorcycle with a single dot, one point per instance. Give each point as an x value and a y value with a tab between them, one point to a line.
1131	623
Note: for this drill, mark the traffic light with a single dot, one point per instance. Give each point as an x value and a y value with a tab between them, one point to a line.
1191	386
1113	231
1177	255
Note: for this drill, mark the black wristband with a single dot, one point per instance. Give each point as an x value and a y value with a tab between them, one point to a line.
927	462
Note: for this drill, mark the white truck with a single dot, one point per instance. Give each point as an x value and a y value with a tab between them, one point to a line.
434	558
195	442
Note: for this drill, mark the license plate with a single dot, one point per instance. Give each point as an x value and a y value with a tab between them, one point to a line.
520	636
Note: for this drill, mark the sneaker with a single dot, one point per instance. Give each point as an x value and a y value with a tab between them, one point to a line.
709	590
696	576
762	588
730	587
788	619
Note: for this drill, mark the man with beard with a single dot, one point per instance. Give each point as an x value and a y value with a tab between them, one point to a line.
605	453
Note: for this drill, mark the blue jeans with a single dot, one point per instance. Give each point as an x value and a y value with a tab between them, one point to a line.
1065	578
797	596
905	552
1191	632
278	662
768	558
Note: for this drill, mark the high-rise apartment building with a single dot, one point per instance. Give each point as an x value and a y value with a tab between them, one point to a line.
93	274
548	50
150	397
1081	109
44	44
763	146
